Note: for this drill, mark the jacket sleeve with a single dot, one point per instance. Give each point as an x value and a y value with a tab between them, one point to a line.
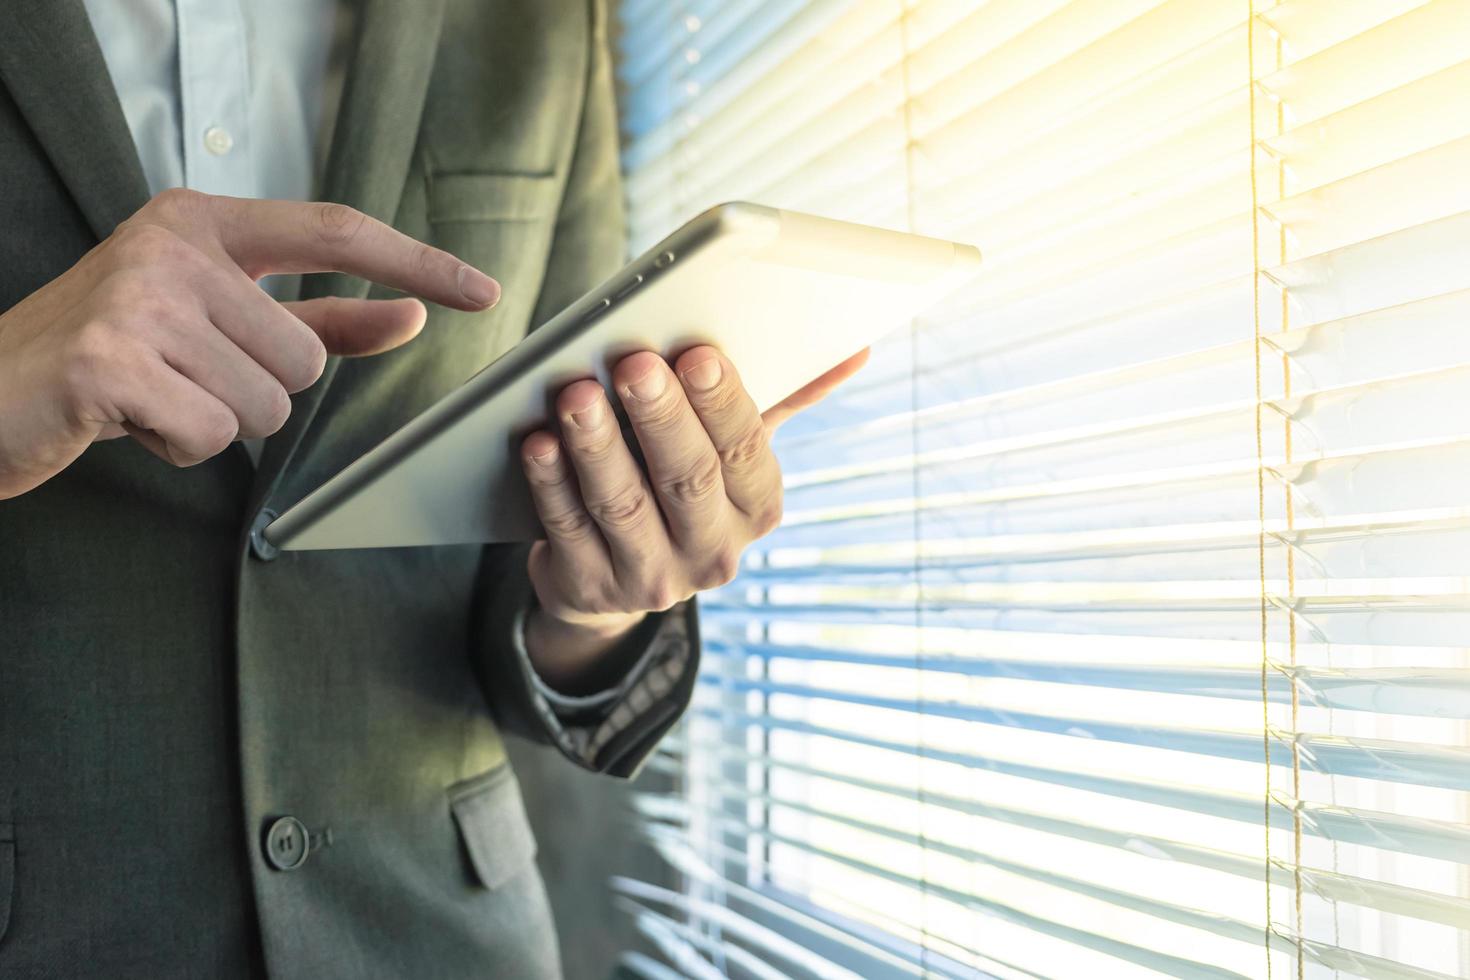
651	674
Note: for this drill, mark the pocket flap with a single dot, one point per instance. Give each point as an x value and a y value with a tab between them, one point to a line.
490	197
492	822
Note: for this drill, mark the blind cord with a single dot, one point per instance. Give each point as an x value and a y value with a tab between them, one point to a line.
1250	41
1296	755
916	488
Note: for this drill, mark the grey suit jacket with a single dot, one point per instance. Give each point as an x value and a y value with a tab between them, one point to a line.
212	764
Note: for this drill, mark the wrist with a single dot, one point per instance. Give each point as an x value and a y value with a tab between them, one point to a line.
573	657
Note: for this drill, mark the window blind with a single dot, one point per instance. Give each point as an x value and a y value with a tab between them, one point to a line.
1118	623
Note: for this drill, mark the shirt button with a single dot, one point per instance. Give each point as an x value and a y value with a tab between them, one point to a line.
217	140
286	844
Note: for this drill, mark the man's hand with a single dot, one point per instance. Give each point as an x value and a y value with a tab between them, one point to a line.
162	333
622	542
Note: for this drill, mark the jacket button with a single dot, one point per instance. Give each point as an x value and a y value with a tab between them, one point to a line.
286	844
259	546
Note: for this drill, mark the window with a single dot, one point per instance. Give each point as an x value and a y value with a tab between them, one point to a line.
1118	624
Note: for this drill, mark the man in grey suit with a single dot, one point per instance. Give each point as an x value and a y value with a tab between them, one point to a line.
217	760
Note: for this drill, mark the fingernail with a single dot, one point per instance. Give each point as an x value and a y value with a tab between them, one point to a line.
477	287
589	417
704	375
545	459
650	386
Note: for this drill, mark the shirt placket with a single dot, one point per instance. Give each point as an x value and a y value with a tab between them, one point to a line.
214	85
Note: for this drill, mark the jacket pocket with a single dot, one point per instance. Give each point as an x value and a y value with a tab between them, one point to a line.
7	874
458	197
502	224
493	826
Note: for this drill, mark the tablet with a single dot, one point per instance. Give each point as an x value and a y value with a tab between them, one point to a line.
784	295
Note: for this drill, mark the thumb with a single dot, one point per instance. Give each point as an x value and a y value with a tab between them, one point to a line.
814	391
354	327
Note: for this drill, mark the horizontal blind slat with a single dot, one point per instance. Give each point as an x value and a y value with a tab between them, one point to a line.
1139	955
932	960
1441	693
678	852
737	925
1409	835
1381	896
1328	955
1380	759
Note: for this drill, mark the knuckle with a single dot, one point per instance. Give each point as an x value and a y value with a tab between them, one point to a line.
662	415
622	510
220	430
696	484
94	340
302	370
139	303
767	516
335	224
724	399
661	594
587	594
175	203
606	598
601	447
94	346
587	597
723	567
277	410
427	260
214	434
127	294
313	361
149	244
746	450
571	523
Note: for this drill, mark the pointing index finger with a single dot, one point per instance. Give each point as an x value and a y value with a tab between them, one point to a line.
266	237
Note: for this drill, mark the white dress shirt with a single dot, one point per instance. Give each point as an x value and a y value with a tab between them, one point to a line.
224	96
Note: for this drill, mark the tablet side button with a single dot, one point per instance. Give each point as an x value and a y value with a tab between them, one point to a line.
664	261
628	288
597	310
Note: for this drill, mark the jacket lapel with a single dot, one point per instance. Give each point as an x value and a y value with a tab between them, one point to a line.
52	65
372	148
